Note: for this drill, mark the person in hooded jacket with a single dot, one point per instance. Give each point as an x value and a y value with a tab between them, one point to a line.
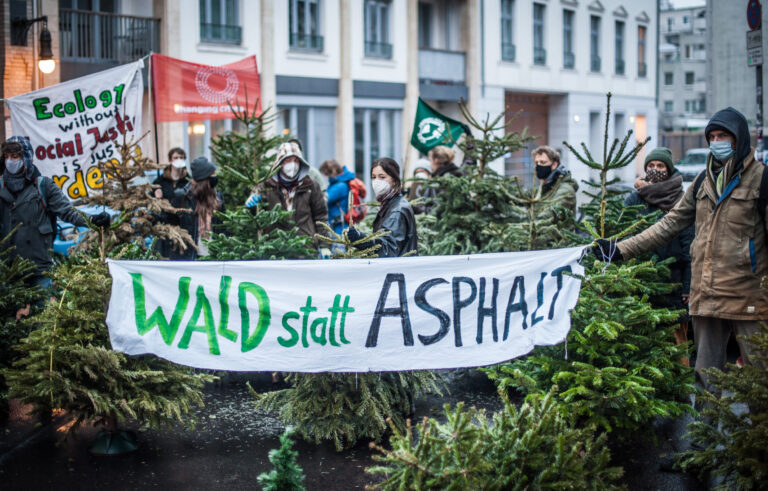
661	189
173	184
729	254
33	203
556	182
203	199
338	193
395	213
294	190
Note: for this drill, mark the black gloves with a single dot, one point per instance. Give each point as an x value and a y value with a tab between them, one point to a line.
353	234
102	219
606	250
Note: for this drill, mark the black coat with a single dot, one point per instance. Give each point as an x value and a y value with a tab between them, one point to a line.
396	216
174	192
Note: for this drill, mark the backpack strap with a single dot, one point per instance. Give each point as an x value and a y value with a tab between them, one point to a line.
762	200
40	185
697	183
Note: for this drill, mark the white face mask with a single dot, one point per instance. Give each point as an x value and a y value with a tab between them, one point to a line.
380	187
290	169
14	165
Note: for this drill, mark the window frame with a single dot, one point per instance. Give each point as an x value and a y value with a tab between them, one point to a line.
508	50
620	36
539	48
305	38
642	67
569	58
378	12
208	28
595	25
671	77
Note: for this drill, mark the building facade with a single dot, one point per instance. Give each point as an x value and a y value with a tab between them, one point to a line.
346	75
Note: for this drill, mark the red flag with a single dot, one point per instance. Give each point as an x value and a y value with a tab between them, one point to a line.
185	91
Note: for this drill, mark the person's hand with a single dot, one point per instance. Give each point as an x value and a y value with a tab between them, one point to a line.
325	253
640	182
252	200
102	219
353	234
606	250
158	193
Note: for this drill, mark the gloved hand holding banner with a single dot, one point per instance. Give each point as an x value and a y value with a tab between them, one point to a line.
353	315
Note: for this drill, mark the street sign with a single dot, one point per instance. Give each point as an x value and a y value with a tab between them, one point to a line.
755	47
754	14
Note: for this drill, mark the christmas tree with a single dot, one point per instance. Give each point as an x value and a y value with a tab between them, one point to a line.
286	474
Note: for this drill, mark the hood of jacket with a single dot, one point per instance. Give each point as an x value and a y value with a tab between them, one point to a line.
290	149
345	176
735	123
31	172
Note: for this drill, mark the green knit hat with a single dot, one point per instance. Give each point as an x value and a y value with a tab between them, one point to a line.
662	155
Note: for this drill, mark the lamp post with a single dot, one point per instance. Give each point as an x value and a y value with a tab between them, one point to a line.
20	28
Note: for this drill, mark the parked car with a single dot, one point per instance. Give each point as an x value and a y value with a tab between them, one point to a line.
695	161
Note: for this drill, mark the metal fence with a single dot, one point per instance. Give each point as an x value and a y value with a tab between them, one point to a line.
98	37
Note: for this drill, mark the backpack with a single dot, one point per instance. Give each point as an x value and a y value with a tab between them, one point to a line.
357	209
762	199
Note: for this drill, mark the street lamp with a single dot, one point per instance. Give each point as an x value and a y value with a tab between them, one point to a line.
19	30
46	62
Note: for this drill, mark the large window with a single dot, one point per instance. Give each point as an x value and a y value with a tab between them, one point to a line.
688	78
315	127
642	68
668	78
619	47
304	25
539	51
569	60
377	134
594	43
219	22
507	30
669	106
377	29
425	25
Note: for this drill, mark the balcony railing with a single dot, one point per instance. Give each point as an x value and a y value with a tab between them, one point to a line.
539	56
378	50
642	70
620	66
595	63
304	41
220	33
442	66
97	37
508	52
569	60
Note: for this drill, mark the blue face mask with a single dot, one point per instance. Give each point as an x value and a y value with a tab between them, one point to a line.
721	150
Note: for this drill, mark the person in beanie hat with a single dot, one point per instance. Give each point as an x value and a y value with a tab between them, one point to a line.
203	199
661	189
730	251
172	186
294	190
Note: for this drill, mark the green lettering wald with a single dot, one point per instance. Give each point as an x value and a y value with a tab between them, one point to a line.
321	330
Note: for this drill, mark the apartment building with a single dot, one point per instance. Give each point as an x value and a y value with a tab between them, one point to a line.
346	74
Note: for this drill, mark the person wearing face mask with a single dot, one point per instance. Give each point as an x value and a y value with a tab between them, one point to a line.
729	254
32	202
661	189
556	182
203	199
292	189
173	182
395	213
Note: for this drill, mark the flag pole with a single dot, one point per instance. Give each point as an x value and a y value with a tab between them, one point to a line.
154	110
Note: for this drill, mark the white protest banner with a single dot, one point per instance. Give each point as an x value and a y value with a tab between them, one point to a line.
74	125
352	315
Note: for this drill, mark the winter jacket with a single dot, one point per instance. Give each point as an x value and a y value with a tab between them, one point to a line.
37	216
678	248
560	189
175	192
729	253
338	200
396	216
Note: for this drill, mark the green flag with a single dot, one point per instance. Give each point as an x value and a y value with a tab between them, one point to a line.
431	129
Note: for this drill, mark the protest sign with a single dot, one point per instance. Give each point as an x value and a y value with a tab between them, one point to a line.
185	91
74	125
352	315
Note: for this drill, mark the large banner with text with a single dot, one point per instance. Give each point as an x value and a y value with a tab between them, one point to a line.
74	125
353	315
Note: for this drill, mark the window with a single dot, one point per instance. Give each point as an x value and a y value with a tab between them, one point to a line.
199	134
670	23
507	33
377	29
687	51
688	78
539	52
685	19
594	43
314	126
619	47
569	60
702	105
304	25
425	25
219	22
669	106
668	78
642	68
377	134
688	106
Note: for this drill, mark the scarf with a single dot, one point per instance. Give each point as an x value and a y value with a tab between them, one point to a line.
663	195
15	182
394	191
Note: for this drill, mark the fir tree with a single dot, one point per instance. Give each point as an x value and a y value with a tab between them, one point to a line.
534	447
732	435
286	474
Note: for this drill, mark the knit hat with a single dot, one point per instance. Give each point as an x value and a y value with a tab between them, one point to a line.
662	155
422	164
202	168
